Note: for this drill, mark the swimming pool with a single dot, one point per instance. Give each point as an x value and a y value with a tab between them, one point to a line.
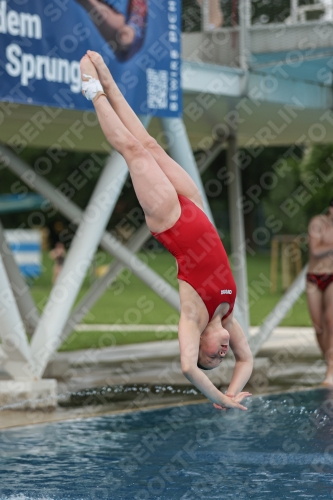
281	448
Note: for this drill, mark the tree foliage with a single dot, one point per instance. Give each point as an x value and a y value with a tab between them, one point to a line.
317	178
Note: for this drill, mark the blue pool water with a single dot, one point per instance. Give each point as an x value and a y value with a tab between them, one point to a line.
282	447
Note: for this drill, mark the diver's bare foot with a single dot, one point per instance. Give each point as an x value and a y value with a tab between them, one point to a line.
109	85
87	68
103	71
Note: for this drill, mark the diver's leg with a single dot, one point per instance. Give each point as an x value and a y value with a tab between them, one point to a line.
155	192
180	179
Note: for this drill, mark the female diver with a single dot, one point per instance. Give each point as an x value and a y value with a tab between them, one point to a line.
174	214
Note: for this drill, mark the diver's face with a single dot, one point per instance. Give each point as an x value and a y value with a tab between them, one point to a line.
214	345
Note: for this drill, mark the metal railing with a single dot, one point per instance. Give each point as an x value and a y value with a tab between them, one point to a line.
227	32
209	15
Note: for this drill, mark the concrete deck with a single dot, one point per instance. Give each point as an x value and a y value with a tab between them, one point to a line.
148	375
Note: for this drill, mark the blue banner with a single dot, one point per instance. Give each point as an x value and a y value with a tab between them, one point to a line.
42	42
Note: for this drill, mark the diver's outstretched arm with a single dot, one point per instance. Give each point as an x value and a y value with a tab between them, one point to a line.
189	340
243	355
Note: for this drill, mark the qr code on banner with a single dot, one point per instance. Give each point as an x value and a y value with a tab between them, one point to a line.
157	88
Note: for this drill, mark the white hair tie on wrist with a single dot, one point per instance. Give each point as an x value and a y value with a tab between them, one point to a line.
91	87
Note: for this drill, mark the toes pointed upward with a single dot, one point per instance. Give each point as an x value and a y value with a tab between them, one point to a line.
87	68
104	74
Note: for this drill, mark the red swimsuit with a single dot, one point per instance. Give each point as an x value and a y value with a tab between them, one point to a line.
202	260
321	280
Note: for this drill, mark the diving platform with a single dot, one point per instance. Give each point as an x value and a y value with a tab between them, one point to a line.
283	96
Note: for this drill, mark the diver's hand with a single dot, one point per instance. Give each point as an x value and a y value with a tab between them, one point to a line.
234	401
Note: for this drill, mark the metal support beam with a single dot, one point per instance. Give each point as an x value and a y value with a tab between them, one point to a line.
237	233
279	312
180	150
205	15
108	242
214	152
294	11
244	11
87	237
100	285
24	300
15	347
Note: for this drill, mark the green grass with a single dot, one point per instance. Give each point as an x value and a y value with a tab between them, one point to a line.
262	301
129	301
93	340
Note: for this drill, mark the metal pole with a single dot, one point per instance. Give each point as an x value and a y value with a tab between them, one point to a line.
180	150
213	154
100	285
294	9
279	312
78	259
237	233
24	300
244	34
205	15
87	237
14	341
